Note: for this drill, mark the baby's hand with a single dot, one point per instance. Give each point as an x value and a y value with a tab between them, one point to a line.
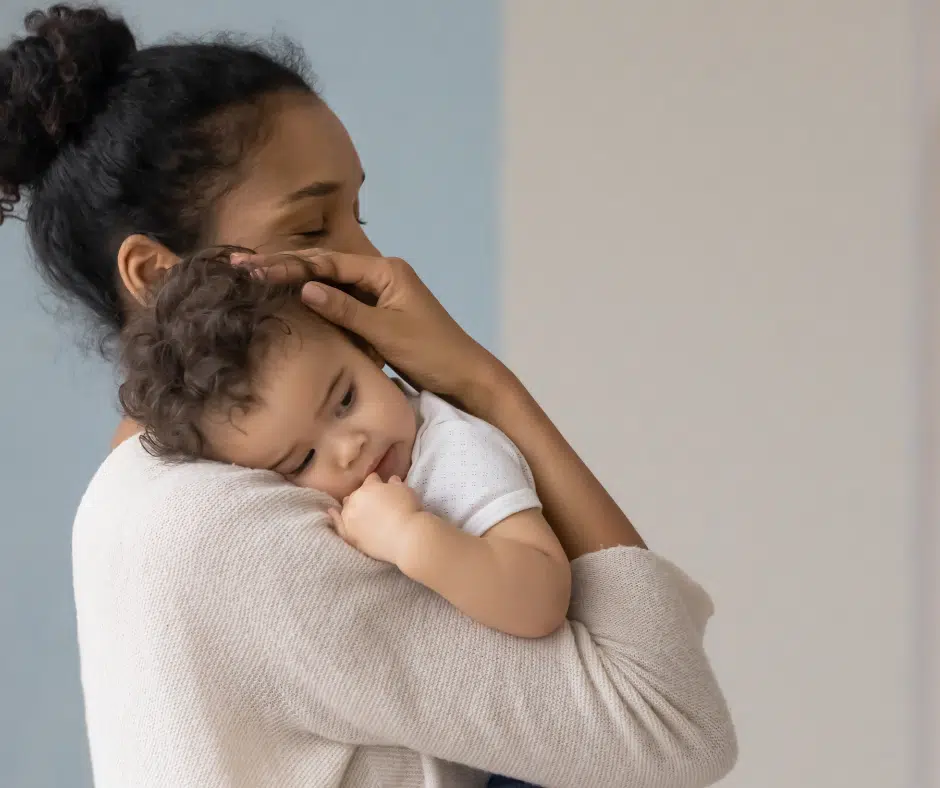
377	518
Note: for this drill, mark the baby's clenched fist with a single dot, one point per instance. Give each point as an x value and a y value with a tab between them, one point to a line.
378	518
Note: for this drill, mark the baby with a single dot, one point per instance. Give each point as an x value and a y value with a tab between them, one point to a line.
225	366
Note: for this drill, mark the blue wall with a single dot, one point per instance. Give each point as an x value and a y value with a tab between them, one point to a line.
417	84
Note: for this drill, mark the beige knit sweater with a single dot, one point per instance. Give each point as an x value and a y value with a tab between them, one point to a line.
229	638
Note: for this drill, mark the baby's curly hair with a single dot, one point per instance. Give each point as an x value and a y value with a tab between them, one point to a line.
196	346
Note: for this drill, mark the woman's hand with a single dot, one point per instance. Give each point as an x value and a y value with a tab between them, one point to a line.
417	337
407	325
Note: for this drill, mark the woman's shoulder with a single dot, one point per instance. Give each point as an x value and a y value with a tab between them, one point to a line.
130	476
136	498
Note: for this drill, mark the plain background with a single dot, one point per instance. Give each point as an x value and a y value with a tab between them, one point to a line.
738	189
417	84
702	233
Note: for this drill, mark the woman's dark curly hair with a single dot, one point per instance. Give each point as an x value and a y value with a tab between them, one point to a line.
198	347
107	140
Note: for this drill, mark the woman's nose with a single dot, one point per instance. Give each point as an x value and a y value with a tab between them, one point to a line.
355	241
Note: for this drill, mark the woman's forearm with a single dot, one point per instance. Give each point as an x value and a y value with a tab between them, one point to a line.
583	515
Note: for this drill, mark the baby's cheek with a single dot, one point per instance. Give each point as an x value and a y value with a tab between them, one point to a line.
303	481
333	487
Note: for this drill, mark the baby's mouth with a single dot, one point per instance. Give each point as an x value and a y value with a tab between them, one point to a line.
379	465
389	464
385	466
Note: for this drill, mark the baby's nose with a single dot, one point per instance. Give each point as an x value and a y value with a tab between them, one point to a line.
350	448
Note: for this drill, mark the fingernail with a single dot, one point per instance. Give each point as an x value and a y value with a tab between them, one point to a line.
313	294
239	258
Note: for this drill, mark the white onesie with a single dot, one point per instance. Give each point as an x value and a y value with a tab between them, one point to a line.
465	470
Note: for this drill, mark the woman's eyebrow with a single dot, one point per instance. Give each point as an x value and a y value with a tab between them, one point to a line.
316	189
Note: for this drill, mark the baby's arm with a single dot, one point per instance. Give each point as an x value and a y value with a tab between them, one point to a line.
515	578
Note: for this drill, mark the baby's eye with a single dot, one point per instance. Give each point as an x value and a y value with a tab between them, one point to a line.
303	465
347	401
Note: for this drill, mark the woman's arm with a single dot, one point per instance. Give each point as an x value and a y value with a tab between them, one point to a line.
583	515
238	582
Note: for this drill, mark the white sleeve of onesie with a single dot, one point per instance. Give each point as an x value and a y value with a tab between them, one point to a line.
472	475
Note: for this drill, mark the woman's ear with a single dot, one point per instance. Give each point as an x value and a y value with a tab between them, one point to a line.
142	262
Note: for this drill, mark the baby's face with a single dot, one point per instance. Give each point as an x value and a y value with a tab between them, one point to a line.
326	415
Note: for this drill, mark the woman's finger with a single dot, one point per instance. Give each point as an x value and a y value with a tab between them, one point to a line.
285	268
369	274
339	308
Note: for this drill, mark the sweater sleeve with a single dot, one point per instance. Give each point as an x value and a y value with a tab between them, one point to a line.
347	648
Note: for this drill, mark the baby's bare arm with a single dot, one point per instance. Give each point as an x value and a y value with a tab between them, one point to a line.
515	579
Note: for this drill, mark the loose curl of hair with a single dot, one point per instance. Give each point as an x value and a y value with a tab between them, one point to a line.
197	347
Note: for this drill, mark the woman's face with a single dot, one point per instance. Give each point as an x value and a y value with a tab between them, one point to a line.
301	186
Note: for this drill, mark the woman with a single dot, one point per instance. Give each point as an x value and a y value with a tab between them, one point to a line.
228	637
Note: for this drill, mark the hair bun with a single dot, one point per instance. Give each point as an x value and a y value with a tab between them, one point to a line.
52	81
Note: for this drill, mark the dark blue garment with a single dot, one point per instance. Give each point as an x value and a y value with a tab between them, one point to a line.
498	781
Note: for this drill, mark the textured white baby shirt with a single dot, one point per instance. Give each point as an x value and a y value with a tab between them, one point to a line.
465	470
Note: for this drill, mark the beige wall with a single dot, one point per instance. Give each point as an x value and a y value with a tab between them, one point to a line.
712	264
927	22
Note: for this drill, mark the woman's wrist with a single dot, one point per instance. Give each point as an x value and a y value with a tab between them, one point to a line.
488	384
581	512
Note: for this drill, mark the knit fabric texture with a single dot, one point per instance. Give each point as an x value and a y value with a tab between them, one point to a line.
229	638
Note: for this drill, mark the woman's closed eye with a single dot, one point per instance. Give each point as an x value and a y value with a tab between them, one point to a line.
322	231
